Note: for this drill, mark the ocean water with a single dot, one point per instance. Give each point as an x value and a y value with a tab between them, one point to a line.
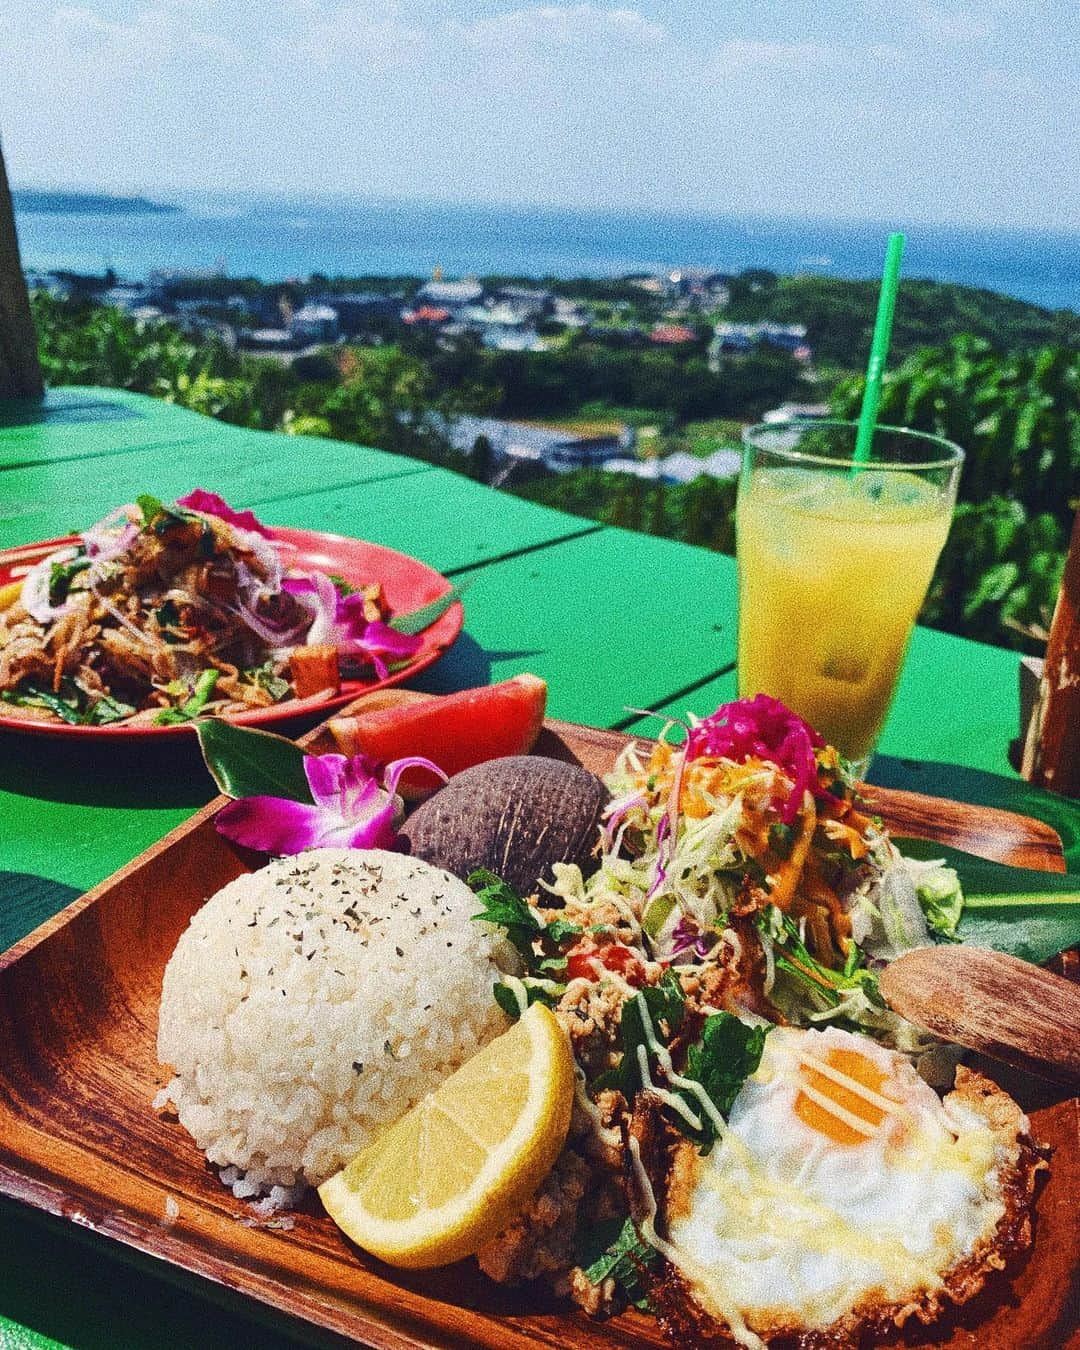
278	238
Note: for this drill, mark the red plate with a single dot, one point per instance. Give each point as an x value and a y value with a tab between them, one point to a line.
407	583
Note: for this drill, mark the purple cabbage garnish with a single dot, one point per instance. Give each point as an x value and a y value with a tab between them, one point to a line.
210	504
686	938
763	728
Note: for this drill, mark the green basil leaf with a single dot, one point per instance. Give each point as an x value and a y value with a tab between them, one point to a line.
193	705
61	575
545	991
501	905
721	1061
150	507
31	697
625	1259
419	619
248	763
1030	914
662	1006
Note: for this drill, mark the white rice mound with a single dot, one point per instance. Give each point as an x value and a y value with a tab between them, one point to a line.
311	1003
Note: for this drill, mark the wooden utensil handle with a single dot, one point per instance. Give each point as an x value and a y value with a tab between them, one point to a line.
996	1004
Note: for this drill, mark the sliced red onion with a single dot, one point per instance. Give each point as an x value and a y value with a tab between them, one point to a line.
121	619
617	810
104	541
319	595
273	634
268	556
660	871
686	937
34	596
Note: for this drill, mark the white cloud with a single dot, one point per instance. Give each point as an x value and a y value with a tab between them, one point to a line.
951	24
564	26
80	27
1010	84
739	54
375	35
151	33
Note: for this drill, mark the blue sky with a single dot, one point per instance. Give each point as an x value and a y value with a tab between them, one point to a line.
924	110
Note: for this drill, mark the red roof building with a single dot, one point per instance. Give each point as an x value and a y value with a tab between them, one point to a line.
427	314
672	334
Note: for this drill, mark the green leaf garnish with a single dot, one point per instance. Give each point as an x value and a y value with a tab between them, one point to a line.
61	576
419	619
658	1005
344	588
723	1059
244	762
264	678
192	706
822	982
536	991
73	706
558	931
624	1258
504	907
150	507
1027	913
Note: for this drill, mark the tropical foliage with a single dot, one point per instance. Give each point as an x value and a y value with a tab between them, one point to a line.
375	396
839	315
1018	419
1015	409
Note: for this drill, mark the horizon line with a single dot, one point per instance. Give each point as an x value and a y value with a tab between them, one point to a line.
160	196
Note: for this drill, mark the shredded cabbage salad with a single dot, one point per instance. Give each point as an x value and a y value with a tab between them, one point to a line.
750	833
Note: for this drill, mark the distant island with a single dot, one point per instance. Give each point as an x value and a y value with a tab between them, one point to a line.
88	204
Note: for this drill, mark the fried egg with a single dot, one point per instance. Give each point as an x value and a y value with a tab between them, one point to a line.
842	1191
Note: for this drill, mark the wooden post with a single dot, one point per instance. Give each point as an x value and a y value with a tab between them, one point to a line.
1052	751
20	373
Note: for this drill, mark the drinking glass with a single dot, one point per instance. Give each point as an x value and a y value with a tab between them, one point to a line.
835	559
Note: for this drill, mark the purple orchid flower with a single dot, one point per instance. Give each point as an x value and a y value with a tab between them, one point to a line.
210	504
354	807
339	622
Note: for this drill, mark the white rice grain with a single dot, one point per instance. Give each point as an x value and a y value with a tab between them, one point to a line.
311	1003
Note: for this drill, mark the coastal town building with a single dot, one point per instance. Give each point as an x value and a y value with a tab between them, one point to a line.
452	295
432	315
560	449
314	323
672	335
361	311
527	301
739	339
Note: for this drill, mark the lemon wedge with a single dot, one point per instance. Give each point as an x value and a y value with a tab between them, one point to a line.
456	1169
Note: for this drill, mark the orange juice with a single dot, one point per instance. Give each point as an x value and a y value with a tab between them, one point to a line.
833	568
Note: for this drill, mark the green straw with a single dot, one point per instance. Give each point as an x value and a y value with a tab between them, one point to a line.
879	348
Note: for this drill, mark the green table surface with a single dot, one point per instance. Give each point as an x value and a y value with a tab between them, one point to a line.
614	621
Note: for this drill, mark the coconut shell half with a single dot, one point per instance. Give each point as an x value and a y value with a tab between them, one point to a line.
515	816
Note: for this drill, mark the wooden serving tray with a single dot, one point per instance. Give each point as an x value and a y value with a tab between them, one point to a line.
80	1139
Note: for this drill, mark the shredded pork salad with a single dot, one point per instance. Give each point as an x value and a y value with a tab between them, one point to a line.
159	613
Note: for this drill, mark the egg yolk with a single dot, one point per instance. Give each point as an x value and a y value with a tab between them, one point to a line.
839	1112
